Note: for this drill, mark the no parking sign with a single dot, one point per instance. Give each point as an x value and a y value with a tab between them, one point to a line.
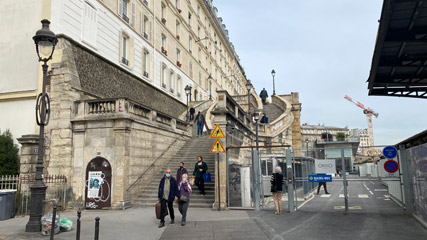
391	166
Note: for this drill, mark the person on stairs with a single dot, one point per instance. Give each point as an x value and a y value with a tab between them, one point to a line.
200	120
277	180
199	170
180	172
168	192
263	95
184	197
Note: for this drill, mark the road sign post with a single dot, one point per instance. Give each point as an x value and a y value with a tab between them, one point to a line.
218	148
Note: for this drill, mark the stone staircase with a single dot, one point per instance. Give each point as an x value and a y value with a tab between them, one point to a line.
197	146
272	111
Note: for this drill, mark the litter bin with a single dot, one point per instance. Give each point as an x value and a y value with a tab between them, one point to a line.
7	204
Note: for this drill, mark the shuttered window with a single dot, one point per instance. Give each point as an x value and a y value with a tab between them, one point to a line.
89	24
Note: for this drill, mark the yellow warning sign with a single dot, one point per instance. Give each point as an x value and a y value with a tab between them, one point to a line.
217	133
217	147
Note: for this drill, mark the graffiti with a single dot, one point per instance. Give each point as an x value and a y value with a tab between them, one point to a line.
91	205
96	185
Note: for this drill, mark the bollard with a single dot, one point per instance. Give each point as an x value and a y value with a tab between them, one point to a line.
79	214
52	227
97	228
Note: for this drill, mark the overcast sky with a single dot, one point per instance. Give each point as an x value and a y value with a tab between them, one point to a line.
322	49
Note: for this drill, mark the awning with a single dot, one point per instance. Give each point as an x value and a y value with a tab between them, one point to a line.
399	64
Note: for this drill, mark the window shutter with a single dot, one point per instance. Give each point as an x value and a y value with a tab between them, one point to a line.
131	51
151	35
120	5
132	22
142	23
120	47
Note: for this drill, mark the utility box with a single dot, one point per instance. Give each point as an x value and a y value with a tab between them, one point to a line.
7	204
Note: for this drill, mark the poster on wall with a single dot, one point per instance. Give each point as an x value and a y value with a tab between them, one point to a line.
95	182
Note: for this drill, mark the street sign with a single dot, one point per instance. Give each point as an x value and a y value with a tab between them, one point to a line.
325	166
217	147
319	178
390	152
217	133
391	166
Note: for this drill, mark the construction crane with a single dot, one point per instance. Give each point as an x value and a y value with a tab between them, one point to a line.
368	112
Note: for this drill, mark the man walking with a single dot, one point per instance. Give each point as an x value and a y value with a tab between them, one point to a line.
200	120
263	95
168	192
181	170
192	111
324	186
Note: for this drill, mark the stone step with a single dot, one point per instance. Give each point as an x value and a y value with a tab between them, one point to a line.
175	206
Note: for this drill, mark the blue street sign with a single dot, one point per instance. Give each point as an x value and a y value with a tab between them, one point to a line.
319	178
390	152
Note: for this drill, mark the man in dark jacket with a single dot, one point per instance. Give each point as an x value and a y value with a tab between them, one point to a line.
192	111
263	95
168	192
200	120
181	170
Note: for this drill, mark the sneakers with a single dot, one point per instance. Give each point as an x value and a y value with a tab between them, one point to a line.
162	224
182	223
172	221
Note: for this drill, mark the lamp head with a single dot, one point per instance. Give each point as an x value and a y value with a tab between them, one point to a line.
248	85
187	89
273	73
45	41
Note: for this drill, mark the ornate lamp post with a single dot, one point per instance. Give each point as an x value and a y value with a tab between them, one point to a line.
248	87
273	73
45	41
210	87
187	92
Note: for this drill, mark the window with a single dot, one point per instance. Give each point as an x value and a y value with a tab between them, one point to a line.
178	28
198	54
171	81
163	41
198	10
189	20
133	16
163	11
178	55
191	69
178	86
89	24
125	43
200	79
189	43
123	9
145	63
145	26
162	76
177	4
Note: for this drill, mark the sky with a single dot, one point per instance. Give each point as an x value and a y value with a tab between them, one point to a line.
323	50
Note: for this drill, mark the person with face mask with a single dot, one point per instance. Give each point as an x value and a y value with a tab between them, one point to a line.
168	192
199	170
181	170
184	197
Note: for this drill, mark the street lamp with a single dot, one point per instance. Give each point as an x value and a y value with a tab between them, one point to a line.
187	92
210	87
248	87
45	41
256	117
273	73
306	143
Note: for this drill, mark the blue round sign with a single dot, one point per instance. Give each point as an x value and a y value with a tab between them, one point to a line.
390	152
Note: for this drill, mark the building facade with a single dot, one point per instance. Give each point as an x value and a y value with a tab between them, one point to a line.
167	44
313	133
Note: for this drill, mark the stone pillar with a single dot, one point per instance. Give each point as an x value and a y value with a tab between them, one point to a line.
28	158
120	165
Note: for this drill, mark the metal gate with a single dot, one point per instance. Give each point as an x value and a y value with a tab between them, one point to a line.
98	184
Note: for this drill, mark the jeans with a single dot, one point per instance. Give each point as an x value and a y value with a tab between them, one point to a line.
182	207
324	186
199	129
163	203
200	183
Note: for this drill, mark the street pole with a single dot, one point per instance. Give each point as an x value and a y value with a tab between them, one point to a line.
273	73
219	186
344	178
187	110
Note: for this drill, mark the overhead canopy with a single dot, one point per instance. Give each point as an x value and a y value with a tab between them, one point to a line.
399	64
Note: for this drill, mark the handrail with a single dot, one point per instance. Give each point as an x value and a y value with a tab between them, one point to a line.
152	164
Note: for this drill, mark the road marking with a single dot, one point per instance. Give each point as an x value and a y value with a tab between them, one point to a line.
342	195
381	190
371	192
387	199
362	196
371	182
386	196
350	208
325	195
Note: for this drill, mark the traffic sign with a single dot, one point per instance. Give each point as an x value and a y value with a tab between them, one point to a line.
217	147
391	166
319	178
390	152
217	133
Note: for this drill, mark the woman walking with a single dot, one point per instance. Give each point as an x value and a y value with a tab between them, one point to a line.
184	199
277	182
199	170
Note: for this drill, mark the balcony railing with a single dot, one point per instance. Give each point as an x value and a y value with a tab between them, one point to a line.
125	61
126	18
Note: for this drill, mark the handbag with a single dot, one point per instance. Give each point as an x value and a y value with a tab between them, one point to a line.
207	177
158	209
192	181
183	198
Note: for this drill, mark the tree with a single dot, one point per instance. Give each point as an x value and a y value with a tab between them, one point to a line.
340	136
8	154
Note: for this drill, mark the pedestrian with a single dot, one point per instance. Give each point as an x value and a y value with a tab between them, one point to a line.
184	197
168	192
192	111
263	95
200	120
181	170
199	170
324	186
277	180
264	119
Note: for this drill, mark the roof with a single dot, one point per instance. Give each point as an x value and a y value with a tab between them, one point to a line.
417	139
399	64
322	127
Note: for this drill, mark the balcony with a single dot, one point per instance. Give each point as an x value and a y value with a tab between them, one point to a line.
145	35
145	74
164	51
145	2
125	18
125	61
164	20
